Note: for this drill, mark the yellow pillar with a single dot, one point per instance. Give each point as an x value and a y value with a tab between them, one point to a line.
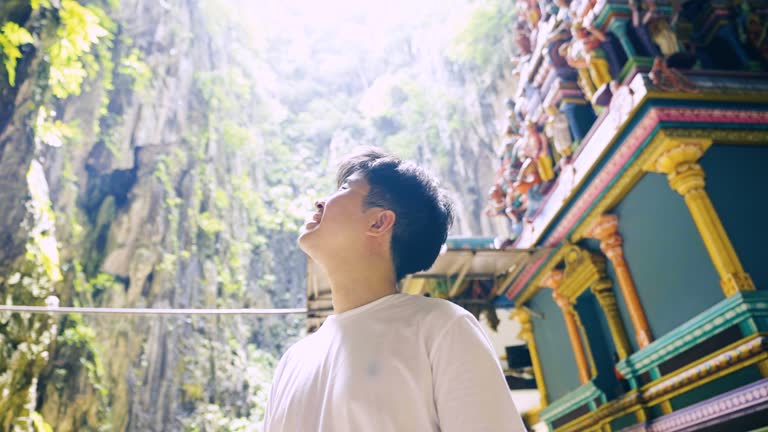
605	229
677	158
526	333
607	300
553	280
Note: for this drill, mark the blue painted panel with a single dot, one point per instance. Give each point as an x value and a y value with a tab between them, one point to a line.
736	182
674	275
557	361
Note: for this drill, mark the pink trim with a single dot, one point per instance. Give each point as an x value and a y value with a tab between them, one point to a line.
525	276
619	159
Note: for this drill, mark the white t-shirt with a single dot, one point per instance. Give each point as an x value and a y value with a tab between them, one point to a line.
402	363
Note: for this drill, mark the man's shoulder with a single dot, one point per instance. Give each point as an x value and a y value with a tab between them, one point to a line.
298	347
434	309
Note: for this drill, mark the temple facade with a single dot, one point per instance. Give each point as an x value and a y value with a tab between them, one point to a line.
634	162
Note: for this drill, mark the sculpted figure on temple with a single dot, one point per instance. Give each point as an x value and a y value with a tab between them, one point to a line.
585	55
563	14
529	9
658	31
558	130
523	39
496	200
535	151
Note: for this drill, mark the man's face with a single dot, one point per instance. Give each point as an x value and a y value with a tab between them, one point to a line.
339	222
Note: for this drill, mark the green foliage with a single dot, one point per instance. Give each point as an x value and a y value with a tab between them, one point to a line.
132	66
53	132
12	36
479	42
256	367
69	56
210	224
39	423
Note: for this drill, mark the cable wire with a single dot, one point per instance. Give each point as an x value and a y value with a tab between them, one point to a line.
146	311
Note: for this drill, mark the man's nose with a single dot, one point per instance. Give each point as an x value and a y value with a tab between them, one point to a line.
320	204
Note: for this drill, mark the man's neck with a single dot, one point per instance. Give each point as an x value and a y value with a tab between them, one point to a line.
358	286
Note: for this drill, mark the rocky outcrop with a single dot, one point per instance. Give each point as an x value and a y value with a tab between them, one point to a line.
138	203
177	189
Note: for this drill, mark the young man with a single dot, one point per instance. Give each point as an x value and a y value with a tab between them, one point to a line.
386	361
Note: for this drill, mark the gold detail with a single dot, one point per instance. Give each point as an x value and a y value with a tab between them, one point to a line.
526	333
607	300
635	171
677	158
582	269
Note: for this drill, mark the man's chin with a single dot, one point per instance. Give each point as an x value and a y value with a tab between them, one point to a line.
305	234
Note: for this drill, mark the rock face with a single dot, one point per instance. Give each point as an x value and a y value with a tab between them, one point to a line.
159	182
144	216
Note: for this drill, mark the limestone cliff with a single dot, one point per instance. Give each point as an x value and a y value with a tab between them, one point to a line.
151	156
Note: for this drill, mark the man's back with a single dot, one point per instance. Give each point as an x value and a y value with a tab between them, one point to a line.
401	363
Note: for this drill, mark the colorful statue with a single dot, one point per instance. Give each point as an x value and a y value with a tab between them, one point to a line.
558	130
659	29
530	10
535	152
523	39
585	55
563	11
496	200
658	32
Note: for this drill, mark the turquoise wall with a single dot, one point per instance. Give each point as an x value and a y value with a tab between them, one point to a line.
674	276
597	331
736	182
557	361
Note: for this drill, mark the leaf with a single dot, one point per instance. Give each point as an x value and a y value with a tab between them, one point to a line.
12	36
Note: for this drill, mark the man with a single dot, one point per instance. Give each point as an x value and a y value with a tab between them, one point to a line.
386	361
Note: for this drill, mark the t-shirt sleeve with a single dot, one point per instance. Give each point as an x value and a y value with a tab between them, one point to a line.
274	391
471	393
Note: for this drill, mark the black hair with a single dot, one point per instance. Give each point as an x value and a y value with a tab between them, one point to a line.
423	212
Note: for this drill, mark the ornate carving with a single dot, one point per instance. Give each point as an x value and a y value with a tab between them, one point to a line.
522	316
607	300
677	157
605	229
582	269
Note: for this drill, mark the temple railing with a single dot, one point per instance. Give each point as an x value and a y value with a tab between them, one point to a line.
736	329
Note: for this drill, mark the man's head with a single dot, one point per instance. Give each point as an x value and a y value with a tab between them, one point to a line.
384	207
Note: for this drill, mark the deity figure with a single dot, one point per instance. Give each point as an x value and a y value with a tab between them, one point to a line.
657	28
558	130
563	11
585	55
535	152
530	10
523	39
496	200
753	29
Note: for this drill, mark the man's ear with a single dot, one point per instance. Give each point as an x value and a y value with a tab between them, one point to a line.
382	221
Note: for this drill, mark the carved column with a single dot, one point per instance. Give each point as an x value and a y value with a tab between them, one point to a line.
677	158
526	333
605	229
553	280
606	298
